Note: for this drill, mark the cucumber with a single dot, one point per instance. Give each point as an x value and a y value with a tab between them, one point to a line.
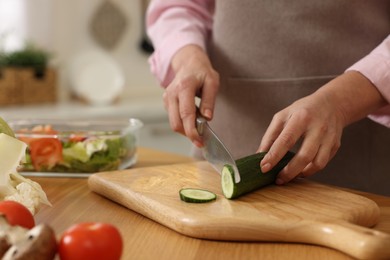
252	177
196	195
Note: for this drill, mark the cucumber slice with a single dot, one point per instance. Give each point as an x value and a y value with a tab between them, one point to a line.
228	183
252	177
196	195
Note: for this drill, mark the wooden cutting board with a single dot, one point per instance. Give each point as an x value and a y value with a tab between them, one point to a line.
300	212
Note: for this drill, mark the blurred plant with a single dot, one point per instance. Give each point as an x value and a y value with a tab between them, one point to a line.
2	53
3	61
29	57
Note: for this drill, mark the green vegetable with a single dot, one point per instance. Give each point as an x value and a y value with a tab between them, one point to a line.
196	195
29	57
94	154
76	151
252	177
5	128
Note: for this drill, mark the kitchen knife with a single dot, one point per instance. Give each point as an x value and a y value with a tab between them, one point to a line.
214	151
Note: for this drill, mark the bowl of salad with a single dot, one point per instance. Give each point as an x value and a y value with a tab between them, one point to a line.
58	146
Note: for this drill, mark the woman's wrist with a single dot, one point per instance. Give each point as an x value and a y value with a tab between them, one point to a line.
188	55
353	95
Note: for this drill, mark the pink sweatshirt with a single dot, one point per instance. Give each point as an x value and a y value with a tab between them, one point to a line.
172	24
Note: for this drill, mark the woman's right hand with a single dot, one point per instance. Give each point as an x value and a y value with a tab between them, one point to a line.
194	76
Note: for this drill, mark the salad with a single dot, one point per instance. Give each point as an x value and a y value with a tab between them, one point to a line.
76	151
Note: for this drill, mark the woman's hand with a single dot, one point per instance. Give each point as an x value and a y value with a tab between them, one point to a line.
194	76
317	122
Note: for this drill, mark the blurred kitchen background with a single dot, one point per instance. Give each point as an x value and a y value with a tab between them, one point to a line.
97	54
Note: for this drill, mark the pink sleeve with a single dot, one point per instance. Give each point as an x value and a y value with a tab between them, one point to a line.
376	67
172	24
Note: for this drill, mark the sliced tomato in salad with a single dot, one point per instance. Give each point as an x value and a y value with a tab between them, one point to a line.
76	138
24	135
44	129
45	152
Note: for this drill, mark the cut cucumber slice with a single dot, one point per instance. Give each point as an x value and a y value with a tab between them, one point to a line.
196	195
227	178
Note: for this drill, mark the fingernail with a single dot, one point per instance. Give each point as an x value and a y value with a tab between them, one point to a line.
279	181
266	167
197	143
207	113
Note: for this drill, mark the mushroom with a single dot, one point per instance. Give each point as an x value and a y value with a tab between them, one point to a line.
4	245
9	234
17	242
37	243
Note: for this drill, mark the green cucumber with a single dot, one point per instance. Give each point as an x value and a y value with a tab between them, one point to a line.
196	195
252	177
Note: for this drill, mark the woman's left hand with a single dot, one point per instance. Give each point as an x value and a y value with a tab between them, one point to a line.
317	122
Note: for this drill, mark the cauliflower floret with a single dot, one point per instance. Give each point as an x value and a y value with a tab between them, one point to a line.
22	196
27	192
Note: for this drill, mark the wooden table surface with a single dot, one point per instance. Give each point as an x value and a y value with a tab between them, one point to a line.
73	203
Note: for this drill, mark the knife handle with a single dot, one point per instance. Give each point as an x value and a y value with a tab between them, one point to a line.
200	122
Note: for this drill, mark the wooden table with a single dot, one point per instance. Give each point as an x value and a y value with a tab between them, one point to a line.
73	202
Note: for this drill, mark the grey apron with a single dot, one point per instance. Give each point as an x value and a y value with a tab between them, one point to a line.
270	53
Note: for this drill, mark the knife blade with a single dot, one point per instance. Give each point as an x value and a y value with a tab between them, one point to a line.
214	151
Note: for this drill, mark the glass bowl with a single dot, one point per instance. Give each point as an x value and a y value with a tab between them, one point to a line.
78	146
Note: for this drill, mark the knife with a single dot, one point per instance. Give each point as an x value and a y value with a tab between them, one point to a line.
214	151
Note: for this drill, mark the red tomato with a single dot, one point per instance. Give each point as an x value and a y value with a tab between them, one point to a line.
44	129
17	214
91	241
76	138
24	135
45	152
